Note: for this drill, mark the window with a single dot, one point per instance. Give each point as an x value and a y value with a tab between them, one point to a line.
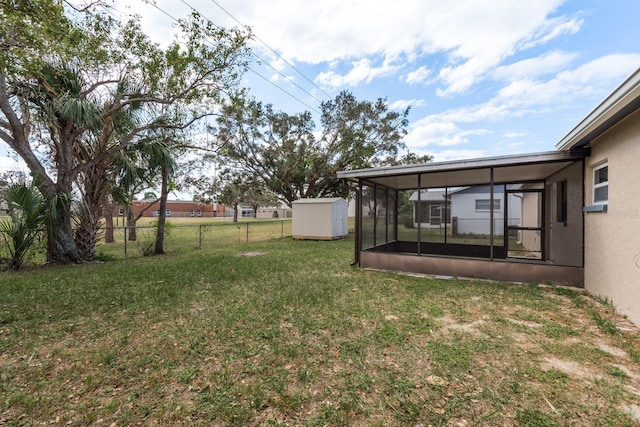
168	212
483	204
157	212
121	212
601	185
199	212
191	212
562	202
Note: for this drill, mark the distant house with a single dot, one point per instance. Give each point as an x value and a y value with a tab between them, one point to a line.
175	208
468	206
578	221
273	212
431	208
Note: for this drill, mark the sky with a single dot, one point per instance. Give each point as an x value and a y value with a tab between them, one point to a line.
482	77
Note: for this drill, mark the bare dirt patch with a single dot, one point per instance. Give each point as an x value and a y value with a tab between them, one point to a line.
252	253
570	368
449	324
614	351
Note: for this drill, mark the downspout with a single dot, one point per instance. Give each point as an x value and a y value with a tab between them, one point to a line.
584	215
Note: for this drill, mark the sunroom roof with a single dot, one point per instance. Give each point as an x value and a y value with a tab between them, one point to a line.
514	168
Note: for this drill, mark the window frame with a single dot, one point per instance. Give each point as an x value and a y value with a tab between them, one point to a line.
497	205
603	184
562	201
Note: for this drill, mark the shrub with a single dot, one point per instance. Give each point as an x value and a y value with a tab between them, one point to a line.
406	220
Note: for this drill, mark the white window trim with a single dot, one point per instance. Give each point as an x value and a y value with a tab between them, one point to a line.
495	202
601	185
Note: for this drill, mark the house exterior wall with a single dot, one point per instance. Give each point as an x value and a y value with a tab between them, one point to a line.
564	240
429	221
178	209
612	238
472	221
273	212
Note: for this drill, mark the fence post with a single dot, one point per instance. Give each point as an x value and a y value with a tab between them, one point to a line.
247	232
281	228
125	241
200	236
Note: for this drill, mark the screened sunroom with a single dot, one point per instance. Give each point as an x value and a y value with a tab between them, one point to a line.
515	218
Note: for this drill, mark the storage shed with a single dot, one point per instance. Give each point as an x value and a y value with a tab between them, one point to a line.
320	219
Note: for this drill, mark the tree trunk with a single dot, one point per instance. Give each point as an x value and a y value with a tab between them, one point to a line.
107	212
162	218
131	224
86	233
235	212
91	182
61	247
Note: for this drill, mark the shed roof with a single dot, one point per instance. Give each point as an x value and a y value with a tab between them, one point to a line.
325	200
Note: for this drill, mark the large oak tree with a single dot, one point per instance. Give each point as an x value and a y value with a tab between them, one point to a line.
282	151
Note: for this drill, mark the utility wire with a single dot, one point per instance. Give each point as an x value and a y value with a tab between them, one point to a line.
267	63
272	50
250	69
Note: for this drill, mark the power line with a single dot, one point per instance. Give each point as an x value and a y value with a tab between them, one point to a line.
272	50
285	91
167	14
287	78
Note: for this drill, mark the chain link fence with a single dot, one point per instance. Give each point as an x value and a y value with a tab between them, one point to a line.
140	240
179	237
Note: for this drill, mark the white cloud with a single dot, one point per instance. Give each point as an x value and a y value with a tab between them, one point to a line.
403	104
513	134
528	96
552	28
549	63
419	75
361	71
591	78
519	98
447	155
428	132
474	36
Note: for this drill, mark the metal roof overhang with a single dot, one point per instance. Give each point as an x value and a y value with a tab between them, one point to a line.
506	169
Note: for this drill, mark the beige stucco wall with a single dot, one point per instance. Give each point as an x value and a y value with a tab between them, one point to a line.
564	241
612	238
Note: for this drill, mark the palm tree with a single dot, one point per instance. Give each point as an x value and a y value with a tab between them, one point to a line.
26	222
66	112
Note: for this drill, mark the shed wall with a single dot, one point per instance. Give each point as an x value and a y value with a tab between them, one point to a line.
319	219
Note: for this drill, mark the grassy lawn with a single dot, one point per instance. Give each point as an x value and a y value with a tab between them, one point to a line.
286	332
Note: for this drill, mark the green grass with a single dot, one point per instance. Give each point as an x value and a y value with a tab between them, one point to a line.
187	234
284	332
